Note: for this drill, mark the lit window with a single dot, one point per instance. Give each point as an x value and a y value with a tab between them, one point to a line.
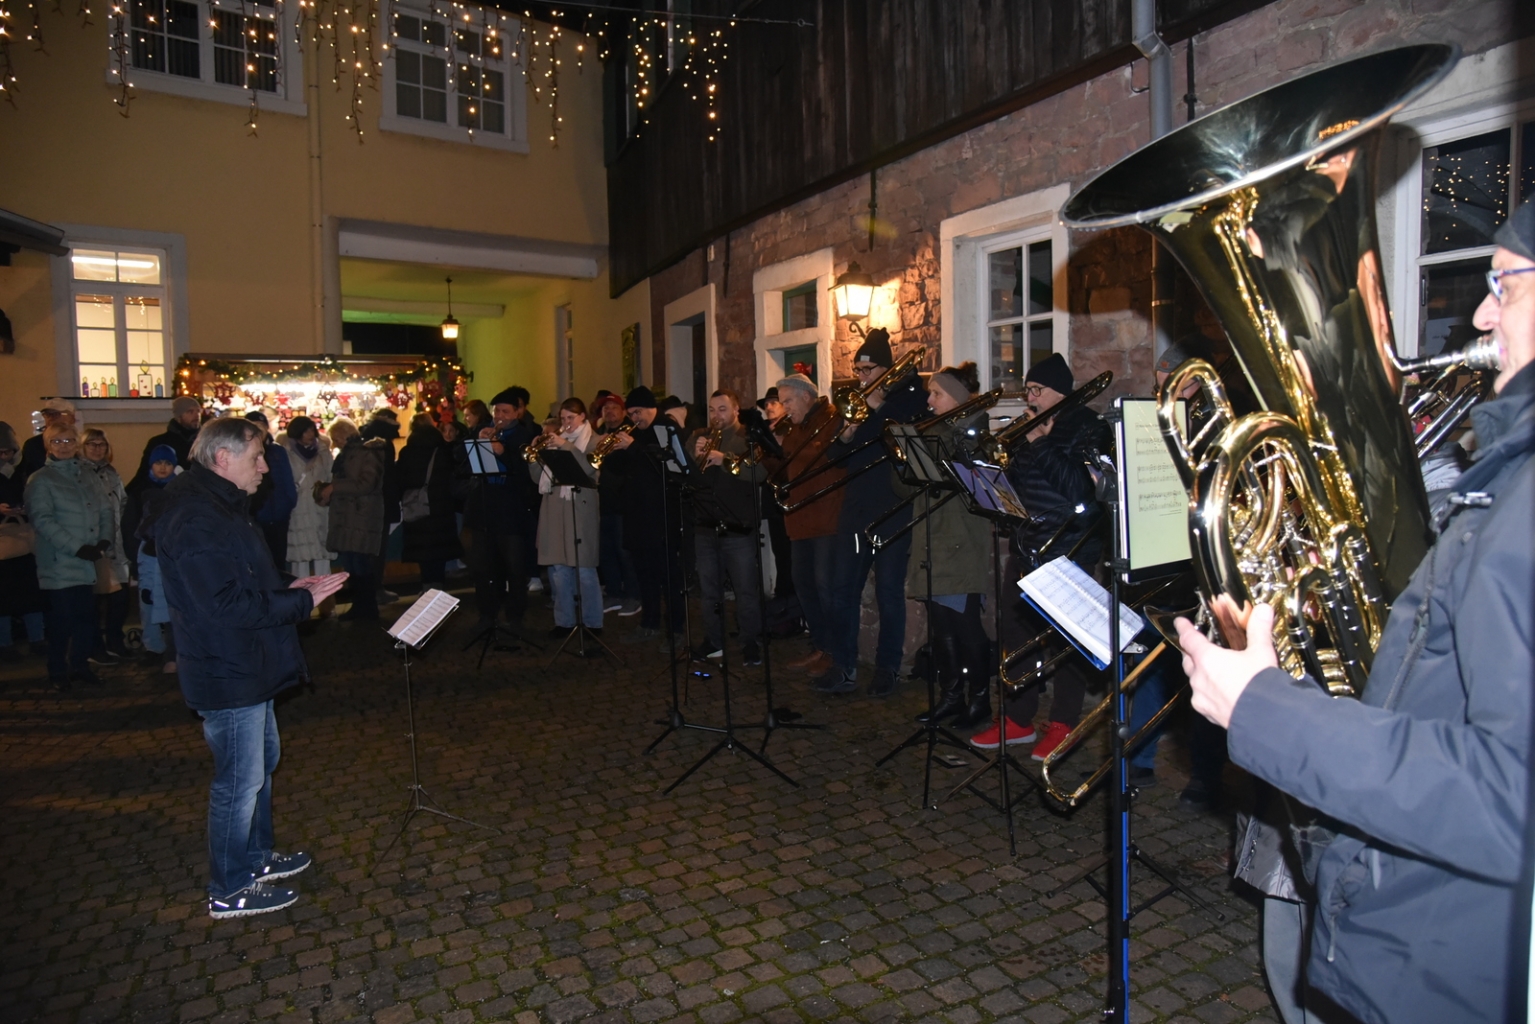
118	299
1020	325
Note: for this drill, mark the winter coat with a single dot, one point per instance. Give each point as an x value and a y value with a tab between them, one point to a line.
435	538
961	551
1428	773
610	486
19	592
652	501
388	431
357	497
274	500
557	532
233	619
805	447
310	522
1050	475
68	509
178	438
117	497
503	503
720	496
874	492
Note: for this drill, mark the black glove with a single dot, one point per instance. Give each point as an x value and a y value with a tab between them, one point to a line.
89	552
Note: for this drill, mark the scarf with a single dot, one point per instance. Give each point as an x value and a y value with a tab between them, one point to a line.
581	439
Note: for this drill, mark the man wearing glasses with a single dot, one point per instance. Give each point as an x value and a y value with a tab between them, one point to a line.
1420	873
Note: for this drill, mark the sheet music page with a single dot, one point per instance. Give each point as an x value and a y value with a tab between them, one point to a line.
421	618
1156	505
1074	601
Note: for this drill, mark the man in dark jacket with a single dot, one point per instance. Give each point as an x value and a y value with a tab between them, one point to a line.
1050	474
238	648
1426	777
725	501
499	514
274	501
186	413
869	496
646	461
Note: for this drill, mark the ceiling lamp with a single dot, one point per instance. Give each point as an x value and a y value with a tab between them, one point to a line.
450	325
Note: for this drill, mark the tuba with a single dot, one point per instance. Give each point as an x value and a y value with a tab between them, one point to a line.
1314	504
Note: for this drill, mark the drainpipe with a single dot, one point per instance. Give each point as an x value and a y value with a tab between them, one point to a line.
1143	30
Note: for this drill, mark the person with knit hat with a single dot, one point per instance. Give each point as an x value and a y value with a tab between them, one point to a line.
146	500
1421	873
1050	475
179	433
653	523
869	495
500	515
620	580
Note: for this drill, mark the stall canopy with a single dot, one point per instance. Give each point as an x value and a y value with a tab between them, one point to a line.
18	233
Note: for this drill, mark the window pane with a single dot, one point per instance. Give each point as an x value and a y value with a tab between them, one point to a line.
93	265
799	307
407	27
138	268
407	67
801	359
468	43
141	313
434	106
1006	277
228	49
493	89
1041	341
94	311
1005	353
96	380
183	54
1527	163
146	347
97	346
407	100
1041	295
433	33
181	19
492	118
468	112
1465	191
434	73
1451	293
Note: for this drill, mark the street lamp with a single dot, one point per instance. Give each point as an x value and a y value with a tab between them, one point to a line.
854	292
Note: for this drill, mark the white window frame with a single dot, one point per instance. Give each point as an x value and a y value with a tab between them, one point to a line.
174	317
288	99
515	138
966	241
768	286
678	316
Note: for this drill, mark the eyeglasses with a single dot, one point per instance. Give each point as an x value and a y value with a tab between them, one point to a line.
1495	280
61	441
95	444
1033	390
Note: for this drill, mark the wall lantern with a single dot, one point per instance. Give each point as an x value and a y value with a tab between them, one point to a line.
450	325
854	292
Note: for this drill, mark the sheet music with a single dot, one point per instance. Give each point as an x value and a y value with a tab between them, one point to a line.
1073	600
422	618
482	458
1154	527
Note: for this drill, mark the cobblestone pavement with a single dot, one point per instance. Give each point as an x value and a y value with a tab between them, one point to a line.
736	897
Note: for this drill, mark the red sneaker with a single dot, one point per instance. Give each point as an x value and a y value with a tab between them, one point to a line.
1015	734
1054	733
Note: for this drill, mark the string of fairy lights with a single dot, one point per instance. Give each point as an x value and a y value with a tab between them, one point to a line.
690	48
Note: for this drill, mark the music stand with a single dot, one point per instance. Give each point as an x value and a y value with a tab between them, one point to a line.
568	471
414	629
918	458
483	462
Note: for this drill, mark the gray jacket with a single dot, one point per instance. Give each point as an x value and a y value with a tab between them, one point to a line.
1426	777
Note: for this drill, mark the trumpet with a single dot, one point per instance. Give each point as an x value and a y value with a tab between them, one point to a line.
605	446
532	451
732	464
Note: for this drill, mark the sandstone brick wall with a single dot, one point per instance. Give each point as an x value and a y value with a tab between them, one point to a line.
1067	137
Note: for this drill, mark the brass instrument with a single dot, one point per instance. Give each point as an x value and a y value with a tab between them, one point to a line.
997	448
532	451
852	401
1313	505
606	444
1441	403
732	463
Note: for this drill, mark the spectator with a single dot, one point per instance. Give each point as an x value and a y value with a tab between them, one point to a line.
146	497
274	500
476	417
307	528
431	541
234	621
20	596
186	413
112	605
385	425
73	519
355	496
33	453
568	528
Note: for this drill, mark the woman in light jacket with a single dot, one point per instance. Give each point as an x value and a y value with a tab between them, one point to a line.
311	461
73	520
96	451
569	525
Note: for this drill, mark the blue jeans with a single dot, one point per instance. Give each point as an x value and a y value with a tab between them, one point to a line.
32	621
855	557
245	750
814	576
564	580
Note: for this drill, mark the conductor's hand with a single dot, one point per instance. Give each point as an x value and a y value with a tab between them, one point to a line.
1219	676
320	587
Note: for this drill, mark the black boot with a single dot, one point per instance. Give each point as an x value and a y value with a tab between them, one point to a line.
979	707
946	667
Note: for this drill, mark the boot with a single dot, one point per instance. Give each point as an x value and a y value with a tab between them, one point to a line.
953	697
979	708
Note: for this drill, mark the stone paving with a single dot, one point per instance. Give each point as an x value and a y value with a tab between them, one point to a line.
736	897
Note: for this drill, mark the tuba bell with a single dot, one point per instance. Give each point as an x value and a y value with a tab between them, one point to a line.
1314	504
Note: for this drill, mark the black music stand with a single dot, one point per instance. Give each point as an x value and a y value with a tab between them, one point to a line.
414	629
567	471
986	492
483	461
918	459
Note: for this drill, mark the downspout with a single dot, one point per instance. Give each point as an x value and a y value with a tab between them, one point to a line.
1159	59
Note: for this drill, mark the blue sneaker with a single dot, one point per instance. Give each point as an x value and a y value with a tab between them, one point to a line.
253	899
284	865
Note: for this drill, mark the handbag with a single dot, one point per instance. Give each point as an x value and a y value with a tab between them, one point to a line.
415	504
106	577
17	538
